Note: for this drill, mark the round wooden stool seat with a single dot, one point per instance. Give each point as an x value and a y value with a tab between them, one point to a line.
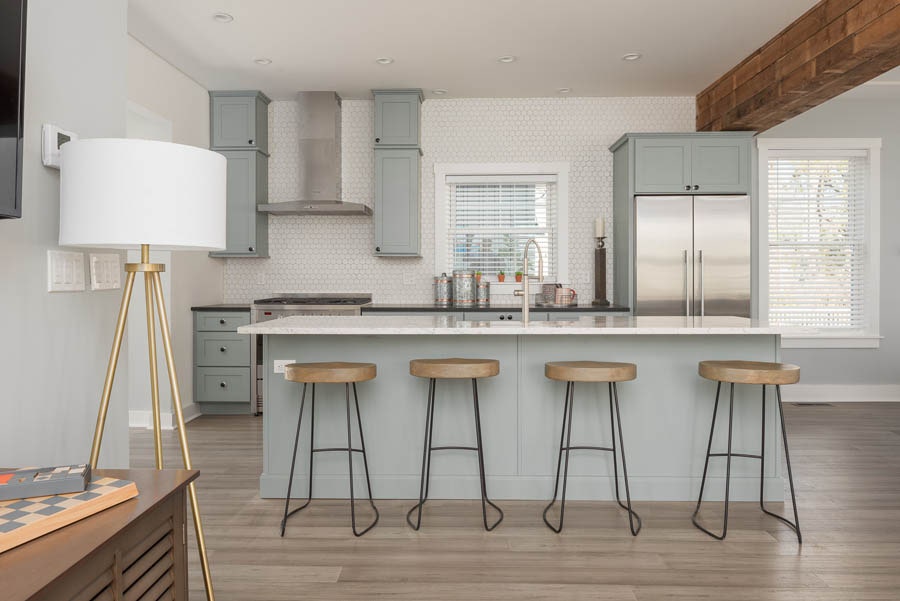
454	368
337	372
750	372
590	371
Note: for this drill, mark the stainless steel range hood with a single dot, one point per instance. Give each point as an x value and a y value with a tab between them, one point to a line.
319	167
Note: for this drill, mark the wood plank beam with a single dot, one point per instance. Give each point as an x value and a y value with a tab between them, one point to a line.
833	47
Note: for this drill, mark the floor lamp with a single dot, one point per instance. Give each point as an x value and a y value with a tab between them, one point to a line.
123	193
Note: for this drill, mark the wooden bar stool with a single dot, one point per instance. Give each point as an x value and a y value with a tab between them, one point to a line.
591	371
455	369
330	373
748	372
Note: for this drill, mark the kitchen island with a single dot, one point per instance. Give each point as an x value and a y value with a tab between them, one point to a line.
666	411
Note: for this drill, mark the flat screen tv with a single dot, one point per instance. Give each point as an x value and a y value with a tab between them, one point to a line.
12	104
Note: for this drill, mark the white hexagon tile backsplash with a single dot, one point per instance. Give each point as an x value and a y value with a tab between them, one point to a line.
334	254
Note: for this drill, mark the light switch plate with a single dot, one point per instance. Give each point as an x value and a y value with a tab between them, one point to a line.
105	271
65	271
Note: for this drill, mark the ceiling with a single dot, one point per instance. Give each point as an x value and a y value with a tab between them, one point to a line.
883	87
454	44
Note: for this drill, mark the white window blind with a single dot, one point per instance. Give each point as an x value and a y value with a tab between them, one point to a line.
817	238
491	217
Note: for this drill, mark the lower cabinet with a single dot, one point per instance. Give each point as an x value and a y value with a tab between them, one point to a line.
505	315
222	374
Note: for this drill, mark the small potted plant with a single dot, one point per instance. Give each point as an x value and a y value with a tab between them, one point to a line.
477	276
518	276
501	276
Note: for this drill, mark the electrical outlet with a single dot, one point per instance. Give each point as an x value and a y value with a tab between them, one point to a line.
280	363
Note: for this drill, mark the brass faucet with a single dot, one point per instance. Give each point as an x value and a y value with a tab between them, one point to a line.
524	291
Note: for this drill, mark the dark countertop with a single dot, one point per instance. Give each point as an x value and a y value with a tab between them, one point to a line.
232	307
424	308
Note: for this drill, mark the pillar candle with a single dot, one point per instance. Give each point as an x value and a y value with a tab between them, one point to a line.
599	228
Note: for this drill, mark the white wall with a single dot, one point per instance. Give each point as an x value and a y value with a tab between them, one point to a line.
55	346
324	254
845	118
191	278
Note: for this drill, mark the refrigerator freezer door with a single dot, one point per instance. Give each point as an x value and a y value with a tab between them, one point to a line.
663	255
722	255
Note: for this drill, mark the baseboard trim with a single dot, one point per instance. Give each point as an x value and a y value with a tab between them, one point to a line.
143	418
839	393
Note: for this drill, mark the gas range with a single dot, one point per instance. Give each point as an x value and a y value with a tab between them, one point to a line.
284	305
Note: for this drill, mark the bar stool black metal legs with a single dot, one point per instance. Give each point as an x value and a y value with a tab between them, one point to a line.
452	368
301	372
566	435
747	373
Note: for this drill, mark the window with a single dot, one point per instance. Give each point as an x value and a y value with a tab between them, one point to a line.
820	224
484	214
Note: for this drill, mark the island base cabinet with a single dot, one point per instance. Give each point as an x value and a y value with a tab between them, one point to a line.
666	414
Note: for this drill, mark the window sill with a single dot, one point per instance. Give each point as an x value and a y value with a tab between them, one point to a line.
836	341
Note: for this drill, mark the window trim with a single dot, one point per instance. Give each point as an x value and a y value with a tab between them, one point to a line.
441	203
870	337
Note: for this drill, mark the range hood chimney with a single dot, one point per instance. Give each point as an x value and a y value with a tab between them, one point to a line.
320	161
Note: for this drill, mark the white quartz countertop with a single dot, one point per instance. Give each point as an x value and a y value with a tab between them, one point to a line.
388	325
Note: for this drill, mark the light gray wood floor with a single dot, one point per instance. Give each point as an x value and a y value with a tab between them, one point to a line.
847	468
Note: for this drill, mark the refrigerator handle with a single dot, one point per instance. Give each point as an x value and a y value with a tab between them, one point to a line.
687	291
702	296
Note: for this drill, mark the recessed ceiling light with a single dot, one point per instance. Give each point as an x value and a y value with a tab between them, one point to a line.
263	61
439	91
564	90
223	17
384	60
632	56
506	59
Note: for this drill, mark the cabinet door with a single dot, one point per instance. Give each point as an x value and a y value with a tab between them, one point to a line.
720	166
397	119
242	188
397	201
233	122
662	166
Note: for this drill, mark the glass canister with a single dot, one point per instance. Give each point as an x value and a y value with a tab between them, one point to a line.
464	288
443	290
483	293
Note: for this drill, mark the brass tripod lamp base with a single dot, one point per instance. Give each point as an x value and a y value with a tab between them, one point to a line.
153	293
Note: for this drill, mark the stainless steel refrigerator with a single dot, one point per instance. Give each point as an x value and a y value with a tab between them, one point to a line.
692	255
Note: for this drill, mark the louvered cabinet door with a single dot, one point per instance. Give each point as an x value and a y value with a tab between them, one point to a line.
145	562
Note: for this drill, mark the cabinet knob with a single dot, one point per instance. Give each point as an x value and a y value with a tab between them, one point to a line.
696	187
250	248
222	322
377	140
502	317
688	187
509	317
223	385
249	141
378	249
222	349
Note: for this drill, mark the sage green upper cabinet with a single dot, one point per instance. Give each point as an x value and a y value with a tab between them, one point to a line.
397	117
662	166
695	163
720	166
397	201
239	120
246	230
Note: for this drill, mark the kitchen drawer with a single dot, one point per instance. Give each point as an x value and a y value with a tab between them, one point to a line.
212	349
505	315
225	321
222	384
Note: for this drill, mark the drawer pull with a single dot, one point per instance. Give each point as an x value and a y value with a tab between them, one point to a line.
222	322
223	385
222	349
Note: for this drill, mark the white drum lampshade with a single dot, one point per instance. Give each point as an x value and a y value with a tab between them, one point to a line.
122	193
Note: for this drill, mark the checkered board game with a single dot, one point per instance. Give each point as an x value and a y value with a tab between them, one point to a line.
22	520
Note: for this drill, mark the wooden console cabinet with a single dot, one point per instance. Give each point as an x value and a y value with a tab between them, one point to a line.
135	550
